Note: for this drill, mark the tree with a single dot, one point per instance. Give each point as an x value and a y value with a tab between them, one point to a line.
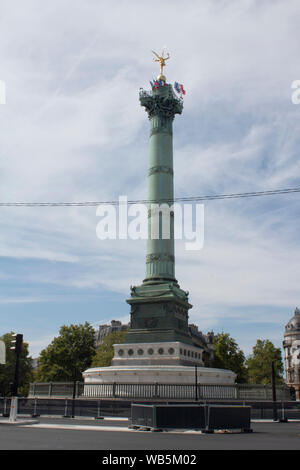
68	355
227	355
105	351
7	370
260	363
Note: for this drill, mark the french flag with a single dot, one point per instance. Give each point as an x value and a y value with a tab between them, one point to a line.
182	89
179	88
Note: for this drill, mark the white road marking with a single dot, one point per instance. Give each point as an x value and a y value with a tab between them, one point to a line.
78	427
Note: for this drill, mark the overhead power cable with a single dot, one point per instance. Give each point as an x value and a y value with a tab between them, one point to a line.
146	201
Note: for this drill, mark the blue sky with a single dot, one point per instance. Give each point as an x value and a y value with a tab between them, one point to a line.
72	129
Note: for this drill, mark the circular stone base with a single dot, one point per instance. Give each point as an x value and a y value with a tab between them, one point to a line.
158	374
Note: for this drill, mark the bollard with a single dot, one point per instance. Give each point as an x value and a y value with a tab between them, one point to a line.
283	419
66	410
35	414
98	411
13	410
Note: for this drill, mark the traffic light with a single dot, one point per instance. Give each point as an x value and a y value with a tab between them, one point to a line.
16	343
17	347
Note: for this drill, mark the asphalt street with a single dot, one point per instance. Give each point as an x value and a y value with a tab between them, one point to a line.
101	435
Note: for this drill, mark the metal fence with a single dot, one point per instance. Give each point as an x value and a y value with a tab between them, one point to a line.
66	407
96	408
159	391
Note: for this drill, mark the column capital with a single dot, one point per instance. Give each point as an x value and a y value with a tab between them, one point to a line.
161	102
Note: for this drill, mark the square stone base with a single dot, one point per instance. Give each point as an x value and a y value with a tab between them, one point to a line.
158	353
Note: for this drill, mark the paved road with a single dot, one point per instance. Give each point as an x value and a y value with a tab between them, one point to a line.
80	434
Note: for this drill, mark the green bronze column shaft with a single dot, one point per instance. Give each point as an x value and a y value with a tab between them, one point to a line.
160	251
161	106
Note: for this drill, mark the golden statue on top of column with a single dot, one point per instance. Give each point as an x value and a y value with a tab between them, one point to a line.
162	60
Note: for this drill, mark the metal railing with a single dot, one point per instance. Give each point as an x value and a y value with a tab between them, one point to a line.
99	408
158	391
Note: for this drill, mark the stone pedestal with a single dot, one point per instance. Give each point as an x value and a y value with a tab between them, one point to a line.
159	312
153	354
161	374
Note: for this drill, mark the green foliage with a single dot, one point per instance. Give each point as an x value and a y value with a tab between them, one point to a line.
7	370
68	355
105	351
227	355
260	363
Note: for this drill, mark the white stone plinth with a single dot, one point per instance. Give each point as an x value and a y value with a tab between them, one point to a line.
158	374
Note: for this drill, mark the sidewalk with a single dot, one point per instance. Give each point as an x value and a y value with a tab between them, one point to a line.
19	421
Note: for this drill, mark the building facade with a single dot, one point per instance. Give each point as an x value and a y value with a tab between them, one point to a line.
291	345
205	342
105	330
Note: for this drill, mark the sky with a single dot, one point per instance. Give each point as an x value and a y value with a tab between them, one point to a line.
72	129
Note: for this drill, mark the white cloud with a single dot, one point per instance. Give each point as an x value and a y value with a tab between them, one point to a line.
72	129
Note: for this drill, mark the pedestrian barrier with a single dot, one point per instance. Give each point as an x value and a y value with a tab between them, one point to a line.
167	416
204	417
